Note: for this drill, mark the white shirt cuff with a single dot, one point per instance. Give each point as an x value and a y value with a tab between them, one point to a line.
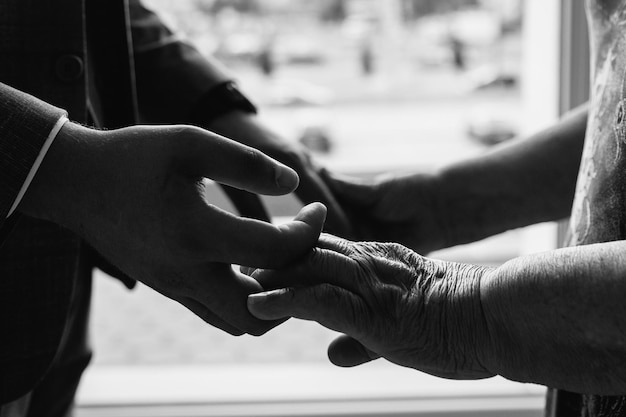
42	153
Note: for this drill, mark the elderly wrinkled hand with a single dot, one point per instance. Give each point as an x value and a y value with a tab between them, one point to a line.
389	301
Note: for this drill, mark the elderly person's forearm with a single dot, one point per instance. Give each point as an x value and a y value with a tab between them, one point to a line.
520	183
559	318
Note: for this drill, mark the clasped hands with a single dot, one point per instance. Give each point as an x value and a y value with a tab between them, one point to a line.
387	300
136	195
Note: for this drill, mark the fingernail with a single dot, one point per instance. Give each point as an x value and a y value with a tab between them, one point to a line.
262	297
256	302
255	299
286	178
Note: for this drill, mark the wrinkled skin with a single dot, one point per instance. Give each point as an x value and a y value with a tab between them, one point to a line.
389	301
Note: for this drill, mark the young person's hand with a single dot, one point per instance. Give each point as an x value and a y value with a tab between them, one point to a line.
249	130
136	195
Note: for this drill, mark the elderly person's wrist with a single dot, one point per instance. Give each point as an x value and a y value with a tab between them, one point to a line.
440	219
464	318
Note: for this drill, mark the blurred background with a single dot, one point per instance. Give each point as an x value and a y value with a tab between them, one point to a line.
433	79
368	86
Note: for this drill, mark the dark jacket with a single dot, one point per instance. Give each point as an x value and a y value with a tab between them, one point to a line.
107	62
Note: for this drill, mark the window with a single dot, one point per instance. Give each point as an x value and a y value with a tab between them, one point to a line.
368	86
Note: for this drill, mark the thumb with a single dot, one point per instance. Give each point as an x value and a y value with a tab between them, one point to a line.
258	244
345	351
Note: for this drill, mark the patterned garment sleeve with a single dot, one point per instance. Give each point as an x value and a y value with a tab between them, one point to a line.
25	125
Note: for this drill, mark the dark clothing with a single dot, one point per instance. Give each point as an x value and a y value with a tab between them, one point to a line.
108	61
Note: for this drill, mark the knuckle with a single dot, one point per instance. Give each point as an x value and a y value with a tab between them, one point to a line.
328	294
185	135
253	159
315	258
317	262
183	143
396	249
192	132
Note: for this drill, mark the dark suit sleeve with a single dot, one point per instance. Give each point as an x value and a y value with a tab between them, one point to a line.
171	75
176	84
32	309
25	123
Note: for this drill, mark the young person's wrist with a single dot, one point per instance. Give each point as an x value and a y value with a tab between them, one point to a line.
55	187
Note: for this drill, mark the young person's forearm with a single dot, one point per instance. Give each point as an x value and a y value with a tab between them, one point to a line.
520	183
559	318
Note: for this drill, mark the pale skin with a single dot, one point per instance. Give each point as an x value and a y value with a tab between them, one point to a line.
555	318
135	195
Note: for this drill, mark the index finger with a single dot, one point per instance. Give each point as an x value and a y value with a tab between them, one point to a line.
330	306
206	154
319	266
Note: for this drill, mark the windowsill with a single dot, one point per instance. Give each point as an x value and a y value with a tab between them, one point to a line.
374	389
